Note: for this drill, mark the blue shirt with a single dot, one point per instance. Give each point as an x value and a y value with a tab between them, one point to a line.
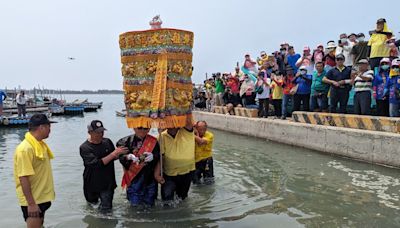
378	84
393	86
291	60
304	84
3	96
337	75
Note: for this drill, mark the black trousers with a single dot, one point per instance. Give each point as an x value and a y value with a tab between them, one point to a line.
340	96
277	107
205	170
362	103
176	184
106	198
382	107
263	107
21	110
375	62
299	99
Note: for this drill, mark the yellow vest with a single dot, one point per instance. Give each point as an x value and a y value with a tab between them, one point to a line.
178	152
204	151
378	46
38	171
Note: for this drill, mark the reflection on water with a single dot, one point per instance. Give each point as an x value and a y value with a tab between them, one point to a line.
258	184
373	182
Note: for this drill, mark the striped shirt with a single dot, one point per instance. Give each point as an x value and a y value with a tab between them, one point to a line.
360	85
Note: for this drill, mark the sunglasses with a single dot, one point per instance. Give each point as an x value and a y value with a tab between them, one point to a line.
384	63
395	67
339	59
142	128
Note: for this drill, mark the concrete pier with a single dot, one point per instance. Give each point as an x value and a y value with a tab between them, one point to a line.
375	147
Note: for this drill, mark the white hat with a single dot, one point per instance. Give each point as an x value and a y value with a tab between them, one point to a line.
331	44
303	68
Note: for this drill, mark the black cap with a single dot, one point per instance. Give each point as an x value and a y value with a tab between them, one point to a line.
39	119
360	35
96	125
381	20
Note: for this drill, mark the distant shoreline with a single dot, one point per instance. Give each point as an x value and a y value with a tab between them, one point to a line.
57	92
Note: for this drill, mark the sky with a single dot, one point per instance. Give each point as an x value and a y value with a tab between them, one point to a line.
37	37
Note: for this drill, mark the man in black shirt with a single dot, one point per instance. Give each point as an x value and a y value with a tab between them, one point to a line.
339	78
361	49
98	154
139	165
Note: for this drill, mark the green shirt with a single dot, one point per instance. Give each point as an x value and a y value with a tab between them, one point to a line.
317	85
219	86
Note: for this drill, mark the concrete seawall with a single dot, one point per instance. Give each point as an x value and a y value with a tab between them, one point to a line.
370	146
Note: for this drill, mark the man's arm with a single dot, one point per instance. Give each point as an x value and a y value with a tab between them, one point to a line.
331	82
189	123
89	159
200	140
157	173
33	208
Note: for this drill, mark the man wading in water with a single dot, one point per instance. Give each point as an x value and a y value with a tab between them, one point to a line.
32	172
139	165
98	154
177	146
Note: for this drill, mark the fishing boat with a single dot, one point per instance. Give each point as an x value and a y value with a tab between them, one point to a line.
56	109
15	121
88	106
72	109
120	113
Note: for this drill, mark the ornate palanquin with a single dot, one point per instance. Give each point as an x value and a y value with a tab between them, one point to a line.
157	69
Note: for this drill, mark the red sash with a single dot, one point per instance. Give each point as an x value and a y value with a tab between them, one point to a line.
148	146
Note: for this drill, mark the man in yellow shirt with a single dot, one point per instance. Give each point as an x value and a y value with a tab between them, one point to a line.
203	154
377	43
32	171
178	161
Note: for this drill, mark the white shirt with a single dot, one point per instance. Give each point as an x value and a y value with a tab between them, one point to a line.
266	91
346	51
21	100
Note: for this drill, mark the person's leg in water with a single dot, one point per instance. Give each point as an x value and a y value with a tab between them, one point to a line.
208	174
198	173
106	198
150	194
183	185
168	188
135	191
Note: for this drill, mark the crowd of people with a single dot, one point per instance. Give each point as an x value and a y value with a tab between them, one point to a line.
175	160
322	80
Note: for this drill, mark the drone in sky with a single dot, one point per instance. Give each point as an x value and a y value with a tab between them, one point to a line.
71	58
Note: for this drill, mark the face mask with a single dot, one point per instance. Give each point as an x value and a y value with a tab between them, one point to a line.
385	67
283	52
303	72
360	39
344	40
397	70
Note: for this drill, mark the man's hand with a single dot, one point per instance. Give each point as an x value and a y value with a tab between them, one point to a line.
159	179
336	84
342	82
34	211
132	158
119	151
149	156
